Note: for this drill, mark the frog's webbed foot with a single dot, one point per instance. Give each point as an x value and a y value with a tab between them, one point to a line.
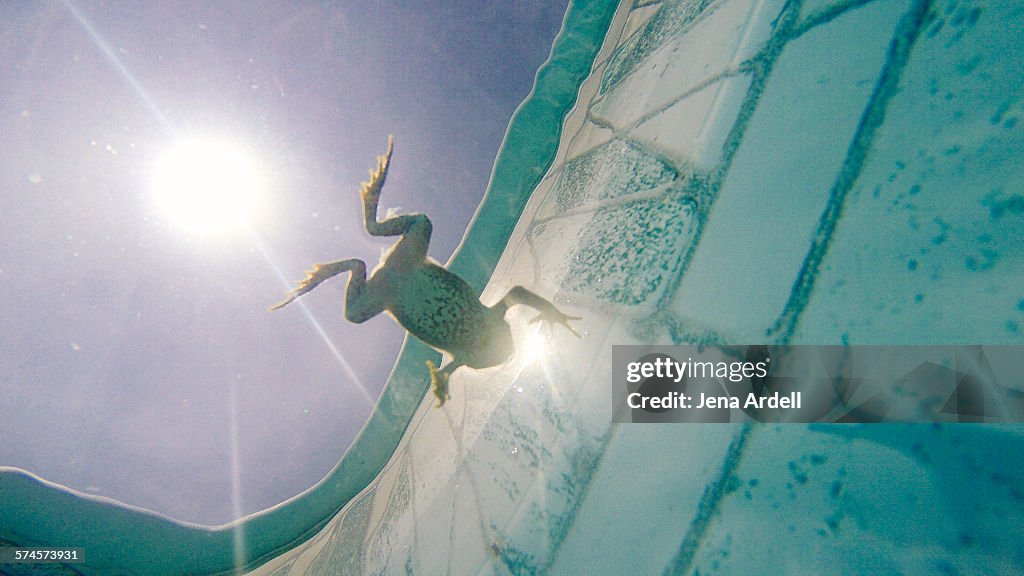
439	383
370	191
555	316
317	275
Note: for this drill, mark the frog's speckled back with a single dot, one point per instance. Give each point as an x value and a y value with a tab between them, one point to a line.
439	308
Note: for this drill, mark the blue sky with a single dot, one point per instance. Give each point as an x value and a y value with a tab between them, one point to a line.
128	341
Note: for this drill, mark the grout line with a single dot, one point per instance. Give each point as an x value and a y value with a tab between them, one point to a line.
907	32
708	507
760	66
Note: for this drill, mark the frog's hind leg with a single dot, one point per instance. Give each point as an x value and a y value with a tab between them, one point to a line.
415	229
360	303
370	192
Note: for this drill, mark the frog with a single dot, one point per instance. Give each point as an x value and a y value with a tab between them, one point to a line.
432	303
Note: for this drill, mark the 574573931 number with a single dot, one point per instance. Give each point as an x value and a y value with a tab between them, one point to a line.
12	555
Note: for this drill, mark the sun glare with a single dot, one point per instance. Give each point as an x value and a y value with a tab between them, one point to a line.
208	187
534	346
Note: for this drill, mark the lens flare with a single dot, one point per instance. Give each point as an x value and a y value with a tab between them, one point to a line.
207	186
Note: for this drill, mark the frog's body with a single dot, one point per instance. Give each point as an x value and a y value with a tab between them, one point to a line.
432	303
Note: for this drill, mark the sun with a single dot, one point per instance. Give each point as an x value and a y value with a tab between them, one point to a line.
208	187
534	346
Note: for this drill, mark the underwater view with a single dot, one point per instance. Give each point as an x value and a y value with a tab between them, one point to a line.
574	206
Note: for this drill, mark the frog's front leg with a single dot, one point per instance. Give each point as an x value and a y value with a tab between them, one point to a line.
548	312
439	380
361	303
